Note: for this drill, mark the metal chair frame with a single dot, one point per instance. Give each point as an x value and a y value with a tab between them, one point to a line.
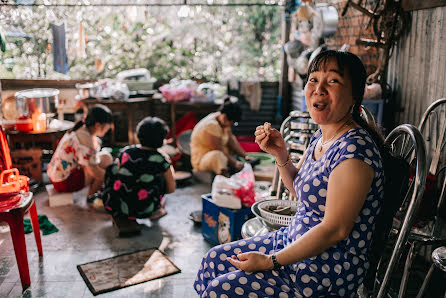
433	128
405	141
287	133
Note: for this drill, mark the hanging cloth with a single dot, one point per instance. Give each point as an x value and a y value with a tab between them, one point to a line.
81	45
2	40
252	92
60	59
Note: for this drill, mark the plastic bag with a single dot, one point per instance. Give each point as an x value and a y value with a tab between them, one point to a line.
239	186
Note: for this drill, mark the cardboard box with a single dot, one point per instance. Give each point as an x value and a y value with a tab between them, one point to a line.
222	225
28	162
58	198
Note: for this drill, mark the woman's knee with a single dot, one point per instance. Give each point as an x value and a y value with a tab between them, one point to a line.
223	282
214	161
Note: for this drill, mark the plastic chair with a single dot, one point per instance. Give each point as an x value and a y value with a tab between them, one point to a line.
15	201
406	142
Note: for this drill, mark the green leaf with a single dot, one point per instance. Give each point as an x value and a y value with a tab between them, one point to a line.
124	208
125	172
114	169
156	158
145	178
150	208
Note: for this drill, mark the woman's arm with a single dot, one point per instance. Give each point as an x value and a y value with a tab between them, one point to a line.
274	144
348	186
171	184
234	145
215	143
289	172
95	171
347	189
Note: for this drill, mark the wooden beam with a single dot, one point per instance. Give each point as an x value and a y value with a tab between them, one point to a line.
409	5
13	84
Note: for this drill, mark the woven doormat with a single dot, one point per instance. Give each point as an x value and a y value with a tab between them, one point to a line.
126	270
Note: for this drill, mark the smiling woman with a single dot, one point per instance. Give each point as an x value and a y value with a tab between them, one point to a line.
339	181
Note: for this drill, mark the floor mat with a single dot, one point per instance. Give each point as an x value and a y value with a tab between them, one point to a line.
126	270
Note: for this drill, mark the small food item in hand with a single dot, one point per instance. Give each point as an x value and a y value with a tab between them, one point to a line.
267	128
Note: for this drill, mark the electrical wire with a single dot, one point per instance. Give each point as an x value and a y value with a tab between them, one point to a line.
272	4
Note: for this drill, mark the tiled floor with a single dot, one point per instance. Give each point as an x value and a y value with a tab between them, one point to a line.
86	234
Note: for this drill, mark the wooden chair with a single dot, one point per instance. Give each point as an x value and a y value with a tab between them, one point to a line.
15	201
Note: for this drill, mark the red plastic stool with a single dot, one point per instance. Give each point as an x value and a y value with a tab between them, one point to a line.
15	201
12	210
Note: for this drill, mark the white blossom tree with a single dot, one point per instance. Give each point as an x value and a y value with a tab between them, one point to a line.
201	42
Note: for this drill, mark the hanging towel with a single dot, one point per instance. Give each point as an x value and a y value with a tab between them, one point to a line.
45	225
2	40
252	92
81	46
60	59
233	83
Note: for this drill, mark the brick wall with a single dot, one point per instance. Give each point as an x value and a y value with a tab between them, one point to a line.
351	27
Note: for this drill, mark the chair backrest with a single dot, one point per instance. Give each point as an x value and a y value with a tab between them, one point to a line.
10	179
433	129
404	194
397	173
367	116
5	154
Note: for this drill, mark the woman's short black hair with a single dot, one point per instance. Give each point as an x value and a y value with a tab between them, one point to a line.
232	110
348	62
151	132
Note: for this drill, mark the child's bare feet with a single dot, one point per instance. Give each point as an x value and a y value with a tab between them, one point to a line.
160	213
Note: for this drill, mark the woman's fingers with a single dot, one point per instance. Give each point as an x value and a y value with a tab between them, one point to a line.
235	262
242	257
249	261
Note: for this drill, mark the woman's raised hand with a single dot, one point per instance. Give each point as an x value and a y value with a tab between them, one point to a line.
270	141
251	261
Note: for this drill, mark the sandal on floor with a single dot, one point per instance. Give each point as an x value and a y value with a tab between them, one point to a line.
93	197
160	213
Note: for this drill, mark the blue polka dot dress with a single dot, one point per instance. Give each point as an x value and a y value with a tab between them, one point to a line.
336	272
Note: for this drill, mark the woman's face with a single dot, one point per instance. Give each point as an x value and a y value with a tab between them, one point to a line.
328	94
102	129
226	122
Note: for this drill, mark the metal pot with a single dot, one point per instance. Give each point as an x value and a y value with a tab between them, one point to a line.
329	16
87	90
36	101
